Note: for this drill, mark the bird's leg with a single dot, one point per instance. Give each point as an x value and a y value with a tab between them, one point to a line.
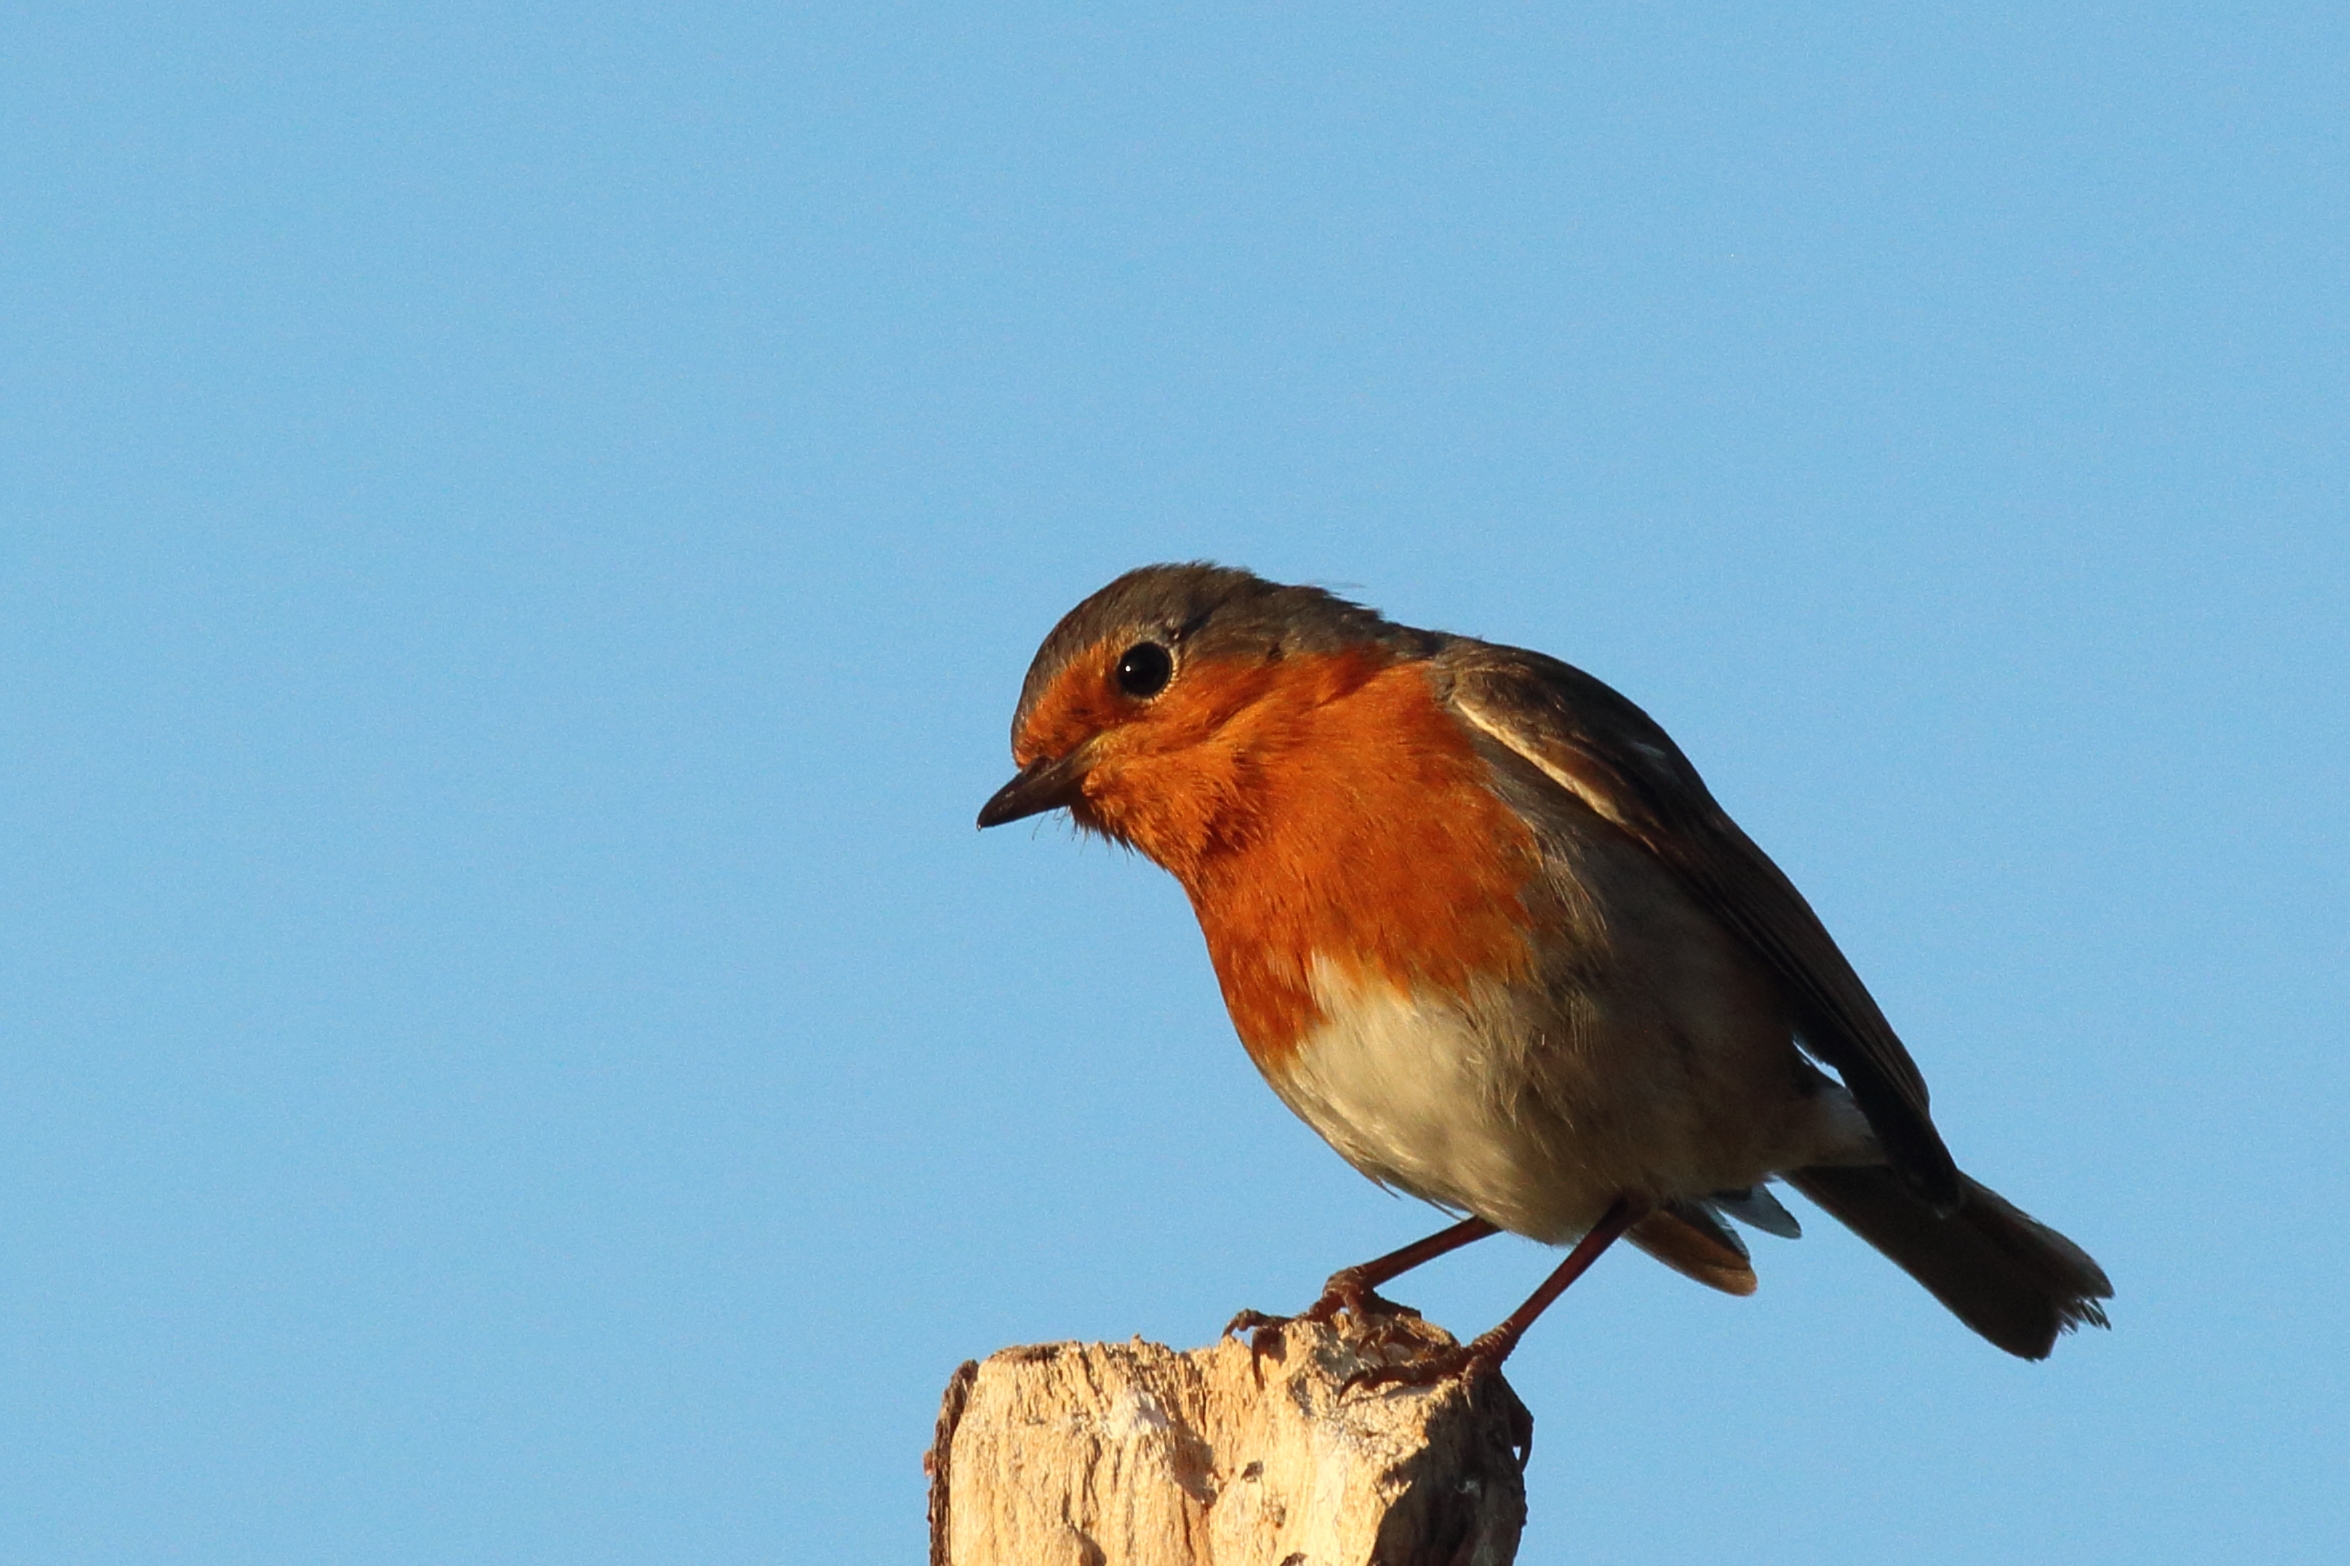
1487	1350
1355	1289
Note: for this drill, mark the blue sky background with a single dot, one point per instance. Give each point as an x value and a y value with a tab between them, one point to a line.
521	527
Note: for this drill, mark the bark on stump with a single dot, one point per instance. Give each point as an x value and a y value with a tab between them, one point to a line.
1106	1454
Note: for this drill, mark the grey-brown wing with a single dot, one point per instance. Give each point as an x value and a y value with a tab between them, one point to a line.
1610	755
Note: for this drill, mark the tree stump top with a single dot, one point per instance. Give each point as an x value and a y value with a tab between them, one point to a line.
1132	1454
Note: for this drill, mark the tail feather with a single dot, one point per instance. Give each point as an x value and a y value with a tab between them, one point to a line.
1757	1207
2014	1280
1688	1238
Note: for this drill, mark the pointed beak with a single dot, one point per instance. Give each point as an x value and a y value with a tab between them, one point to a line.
1042	786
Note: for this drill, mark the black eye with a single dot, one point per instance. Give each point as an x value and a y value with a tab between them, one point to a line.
1144	670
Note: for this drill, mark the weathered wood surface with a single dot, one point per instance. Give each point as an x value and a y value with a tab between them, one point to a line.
1106	1454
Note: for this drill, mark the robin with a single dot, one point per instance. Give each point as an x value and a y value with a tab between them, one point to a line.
1479	924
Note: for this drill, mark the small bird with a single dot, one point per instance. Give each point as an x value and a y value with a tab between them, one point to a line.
1479	924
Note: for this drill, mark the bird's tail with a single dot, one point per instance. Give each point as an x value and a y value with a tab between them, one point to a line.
2014	1280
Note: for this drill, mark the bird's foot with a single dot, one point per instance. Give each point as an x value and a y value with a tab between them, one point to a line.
1370	1315
1476	1365
1461	1362
1467	1363
1346	1293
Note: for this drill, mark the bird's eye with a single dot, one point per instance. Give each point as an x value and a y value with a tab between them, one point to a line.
1144	670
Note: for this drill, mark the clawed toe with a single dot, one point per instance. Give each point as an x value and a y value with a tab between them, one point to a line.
1361	1315
1255	1321
1464	1364
1367	1306
1362	1306
1264	1337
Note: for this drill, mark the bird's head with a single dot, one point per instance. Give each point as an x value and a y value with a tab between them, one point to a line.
1156	705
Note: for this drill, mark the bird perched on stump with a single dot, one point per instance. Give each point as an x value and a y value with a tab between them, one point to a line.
1479	923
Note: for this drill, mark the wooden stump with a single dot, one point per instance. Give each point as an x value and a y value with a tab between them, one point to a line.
1104	1454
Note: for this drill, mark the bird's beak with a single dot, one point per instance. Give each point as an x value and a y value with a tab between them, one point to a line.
1041	786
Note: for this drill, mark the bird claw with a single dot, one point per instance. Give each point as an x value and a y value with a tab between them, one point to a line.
1367	1306
1463	1363
1370	1315
1264	1337
1341	1296
1255	1321
1476	1365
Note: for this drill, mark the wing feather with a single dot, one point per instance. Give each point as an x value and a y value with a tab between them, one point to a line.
1598	746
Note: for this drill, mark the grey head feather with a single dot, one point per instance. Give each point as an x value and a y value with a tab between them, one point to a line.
1203	610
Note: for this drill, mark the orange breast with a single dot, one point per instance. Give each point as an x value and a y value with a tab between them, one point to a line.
1355	823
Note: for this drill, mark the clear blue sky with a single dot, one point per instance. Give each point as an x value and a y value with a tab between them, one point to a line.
521	527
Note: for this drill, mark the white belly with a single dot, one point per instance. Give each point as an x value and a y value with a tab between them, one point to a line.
1428	1094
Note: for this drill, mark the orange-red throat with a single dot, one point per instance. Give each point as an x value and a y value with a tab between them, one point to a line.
1312	806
